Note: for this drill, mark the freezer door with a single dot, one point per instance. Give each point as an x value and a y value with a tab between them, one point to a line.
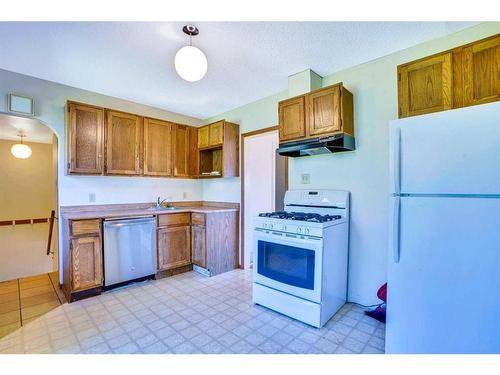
443	293
451	152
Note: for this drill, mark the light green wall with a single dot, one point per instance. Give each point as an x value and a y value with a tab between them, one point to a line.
363	172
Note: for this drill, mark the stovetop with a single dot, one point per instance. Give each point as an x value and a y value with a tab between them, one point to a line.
300	216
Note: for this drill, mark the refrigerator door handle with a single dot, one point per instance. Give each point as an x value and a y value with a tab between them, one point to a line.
397	161
395	230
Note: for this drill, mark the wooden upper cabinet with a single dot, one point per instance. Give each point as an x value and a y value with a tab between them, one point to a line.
323	111
211	135
292	120
463	76
194	164
157	147
181	152
425	86
174	247
216	133
481	72
85	139
86	263
123	143
204	136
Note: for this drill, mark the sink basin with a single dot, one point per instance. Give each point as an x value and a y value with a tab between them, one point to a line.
163	208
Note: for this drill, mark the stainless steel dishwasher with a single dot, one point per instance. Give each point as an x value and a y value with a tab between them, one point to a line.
129	249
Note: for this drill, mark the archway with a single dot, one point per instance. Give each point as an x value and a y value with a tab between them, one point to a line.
28	213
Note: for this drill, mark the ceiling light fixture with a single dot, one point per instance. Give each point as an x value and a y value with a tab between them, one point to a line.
20	150
190	62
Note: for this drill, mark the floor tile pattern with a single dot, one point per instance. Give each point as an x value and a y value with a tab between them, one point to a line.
190	313
26	299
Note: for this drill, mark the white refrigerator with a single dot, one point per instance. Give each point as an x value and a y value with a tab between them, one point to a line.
444	261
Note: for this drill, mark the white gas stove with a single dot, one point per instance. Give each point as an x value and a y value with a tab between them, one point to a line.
300	255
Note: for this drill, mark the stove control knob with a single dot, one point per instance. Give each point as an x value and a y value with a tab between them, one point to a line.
264	225
270	226
306	231
283	227
299	230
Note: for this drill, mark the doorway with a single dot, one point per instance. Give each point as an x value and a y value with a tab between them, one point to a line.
29	251
264	180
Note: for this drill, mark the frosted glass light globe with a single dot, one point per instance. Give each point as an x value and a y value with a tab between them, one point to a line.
21	151
191	63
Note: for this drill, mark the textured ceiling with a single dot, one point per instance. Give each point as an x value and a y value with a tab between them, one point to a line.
247	60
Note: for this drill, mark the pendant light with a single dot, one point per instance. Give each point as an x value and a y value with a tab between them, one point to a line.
20	150
190	62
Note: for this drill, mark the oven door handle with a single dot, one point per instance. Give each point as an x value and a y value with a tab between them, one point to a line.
288	239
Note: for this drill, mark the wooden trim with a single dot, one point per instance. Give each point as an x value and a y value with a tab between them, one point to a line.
242	185
260	131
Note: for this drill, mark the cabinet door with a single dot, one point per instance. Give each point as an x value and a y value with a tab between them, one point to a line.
181	150
157	148
86	263
174	247
323	111
123	141
204	136
292	123
216	133
199	246
481	72
425	86
194	157
86	139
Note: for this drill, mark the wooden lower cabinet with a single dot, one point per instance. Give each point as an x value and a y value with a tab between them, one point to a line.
199	245
215	244
82	258
174	247
86	263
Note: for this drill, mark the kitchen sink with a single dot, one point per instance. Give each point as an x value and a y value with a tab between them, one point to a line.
163	208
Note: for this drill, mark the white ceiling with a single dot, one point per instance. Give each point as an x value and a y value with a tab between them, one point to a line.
247	60
31	128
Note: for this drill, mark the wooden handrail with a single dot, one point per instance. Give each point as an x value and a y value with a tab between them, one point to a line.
4	223
51	227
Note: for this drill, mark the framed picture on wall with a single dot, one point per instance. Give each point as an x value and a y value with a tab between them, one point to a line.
20	104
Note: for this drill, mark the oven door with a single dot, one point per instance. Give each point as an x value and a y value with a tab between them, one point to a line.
289	263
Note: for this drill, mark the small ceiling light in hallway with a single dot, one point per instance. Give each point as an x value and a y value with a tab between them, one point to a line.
20	150
190	62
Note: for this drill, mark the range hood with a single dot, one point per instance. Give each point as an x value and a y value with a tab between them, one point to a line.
316	146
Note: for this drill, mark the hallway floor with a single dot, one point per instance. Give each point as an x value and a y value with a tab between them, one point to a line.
190	313
24	300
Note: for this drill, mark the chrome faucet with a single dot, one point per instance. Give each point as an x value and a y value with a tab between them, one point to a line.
159	203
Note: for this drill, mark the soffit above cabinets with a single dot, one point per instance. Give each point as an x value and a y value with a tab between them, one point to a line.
246	60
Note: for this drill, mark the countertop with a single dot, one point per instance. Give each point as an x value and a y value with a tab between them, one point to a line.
101	213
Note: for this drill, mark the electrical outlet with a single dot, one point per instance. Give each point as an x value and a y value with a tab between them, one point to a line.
91	197
184	195
306	178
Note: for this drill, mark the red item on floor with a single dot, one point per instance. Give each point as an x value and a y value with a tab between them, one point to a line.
382	293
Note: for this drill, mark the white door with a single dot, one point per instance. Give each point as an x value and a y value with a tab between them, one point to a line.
451	152
260	176
443	292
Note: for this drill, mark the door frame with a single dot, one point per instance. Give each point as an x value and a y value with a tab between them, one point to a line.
242	185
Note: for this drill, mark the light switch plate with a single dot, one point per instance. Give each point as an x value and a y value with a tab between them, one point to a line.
91	197
306	178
